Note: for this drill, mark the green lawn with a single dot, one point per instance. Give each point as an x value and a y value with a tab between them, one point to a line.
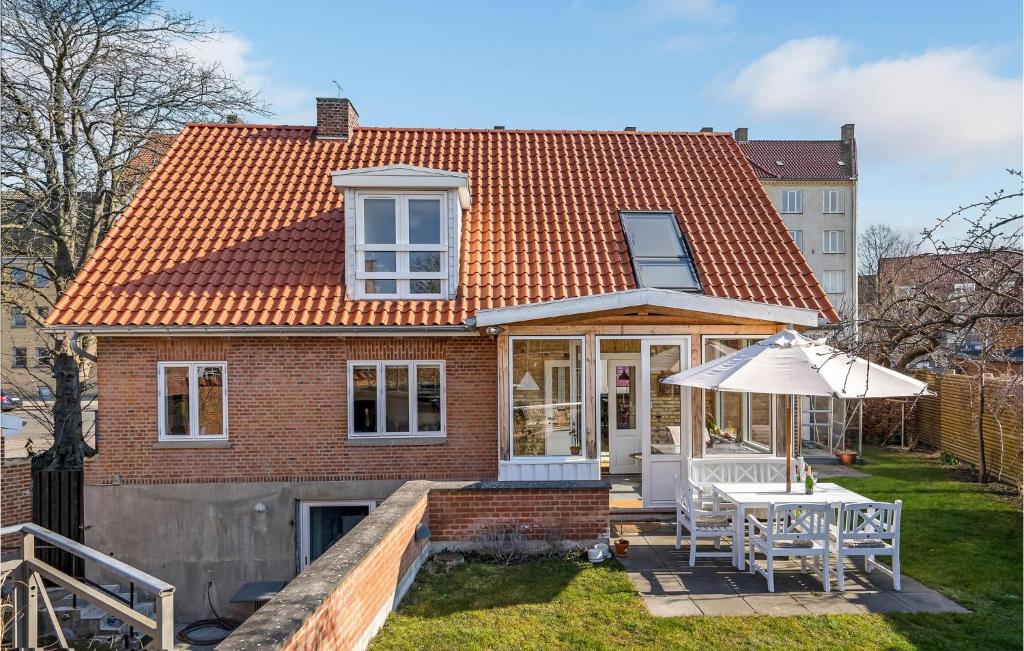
958	538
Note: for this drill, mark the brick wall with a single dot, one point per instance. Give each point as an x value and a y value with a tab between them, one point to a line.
467	514
287	411
343	598
15	496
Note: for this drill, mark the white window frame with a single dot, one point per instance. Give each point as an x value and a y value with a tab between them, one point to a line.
834	242
833	202
771	452
304	521
382	433
825	281
798	238
193	402
402	274
581	426
792	210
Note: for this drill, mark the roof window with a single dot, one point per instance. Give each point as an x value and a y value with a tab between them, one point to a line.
660	253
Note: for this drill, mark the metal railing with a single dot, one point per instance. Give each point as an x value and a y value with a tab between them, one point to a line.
28	572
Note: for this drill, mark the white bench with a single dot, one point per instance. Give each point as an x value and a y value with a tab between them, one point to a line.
706	471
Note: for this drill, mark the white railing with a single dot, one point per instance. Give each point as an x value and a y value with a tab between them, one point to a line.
27	573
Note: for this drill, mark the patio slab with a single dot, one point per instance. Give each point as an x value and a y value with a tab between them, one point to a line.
671	588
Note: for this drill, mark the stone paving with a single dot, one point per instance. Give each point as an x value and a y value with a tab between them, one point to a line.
671	588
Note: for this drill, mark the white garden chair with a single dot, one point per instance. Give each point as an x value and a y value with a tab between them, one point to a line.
869	529
701	522
800	530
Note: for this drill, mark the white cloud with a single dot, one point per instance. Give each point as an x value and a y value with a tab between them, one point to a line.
945	106
234	54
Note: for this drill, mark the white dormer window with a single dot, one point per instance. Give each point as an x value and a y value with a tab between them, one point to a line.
402	231
402	245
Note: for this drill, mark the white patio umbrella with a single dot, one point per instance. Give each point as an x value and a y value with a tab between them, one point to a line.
788	363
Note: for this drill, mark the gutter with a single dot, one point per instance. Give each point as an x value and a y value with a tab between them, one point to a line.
462	330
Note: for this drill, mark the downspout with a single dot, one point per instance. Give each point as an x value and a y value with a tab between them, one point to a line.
75	348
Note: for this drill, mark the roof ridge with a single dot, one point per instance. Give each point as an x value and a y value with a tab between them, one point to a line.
361	127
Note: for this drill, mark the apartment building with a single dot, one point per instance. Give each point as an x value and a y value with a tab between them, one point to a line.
28	296
813	185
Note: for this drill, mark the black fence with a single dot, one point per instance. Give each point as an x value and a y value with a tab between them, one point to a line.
58	505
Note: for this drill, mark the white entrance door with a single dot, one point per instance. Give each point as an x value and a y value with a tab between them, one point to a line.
665	418
623	381
324	523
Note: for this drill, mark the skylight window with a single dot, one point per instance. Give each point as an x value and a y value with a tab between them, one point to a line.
661	256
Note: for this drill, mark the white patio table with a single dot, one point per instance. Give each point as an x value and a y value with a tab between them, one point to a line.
748	495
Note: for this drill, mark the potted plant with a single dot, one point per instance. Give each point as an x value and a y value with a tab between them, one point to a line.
847	457
621	547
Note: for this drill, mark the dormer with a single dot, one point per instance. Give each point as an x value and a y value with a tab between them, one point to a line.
402	231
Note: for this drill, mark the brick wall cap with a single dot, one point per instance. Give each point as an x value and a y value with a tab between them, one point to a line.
558	484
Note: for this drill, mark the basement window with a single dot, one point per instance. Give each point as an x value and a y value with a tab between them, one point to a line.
660	253
396	398
193	399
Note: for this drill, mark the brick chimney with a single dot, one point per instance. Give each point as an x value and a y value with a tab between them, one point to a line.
336	117
740	134
847	133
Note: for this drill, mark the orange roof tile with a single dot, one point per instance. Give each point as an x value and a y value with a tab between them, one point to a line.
240	225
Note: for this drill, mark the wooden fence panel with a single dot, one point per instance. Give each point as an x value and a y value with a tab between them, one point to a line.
58	505
948	422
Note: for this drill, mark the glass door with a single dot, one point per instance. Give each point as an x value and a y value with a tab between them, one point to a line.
324	523
665	418
623	386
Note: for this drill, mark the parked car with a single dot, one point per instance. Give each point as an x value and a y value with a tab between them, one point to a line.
9	402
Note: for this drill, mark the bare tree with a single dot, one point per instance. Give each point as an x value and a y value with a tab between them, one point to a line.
880	241
89	88
960	308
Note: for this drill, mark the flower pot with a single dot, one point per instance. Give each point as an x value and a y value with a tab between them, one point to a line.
621	547
847	458
574	450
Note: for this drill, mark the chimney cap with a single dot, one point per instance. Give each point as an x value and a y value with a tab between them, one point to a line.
630	129
741	134
499	127
707	129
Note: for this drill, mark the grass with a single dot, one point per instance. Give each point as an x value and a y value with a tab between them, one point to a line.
959	538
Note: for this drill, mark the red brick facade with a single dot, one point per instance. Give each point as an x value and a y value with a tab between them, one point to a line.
15	495
466	514
287	411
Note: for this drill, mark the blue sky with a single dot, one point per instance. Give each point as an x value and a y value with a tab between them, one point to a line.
933	87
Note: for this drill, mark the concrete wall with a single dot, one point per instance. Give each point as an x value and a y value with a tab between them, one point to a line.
813	221
189	534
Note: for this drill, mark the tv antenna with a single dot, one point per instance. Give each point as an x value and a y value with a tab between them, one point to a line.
338	86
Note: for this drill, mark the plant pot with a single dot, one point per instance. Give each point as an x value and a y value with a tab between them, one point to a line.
621	547
575	450
847	458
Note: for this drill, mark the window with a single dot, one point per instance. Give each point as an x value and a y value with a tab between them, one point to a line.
18	276
193	400
42	276
792	201
735	423
43	311
963	289
546	396
835	282
832	201
835	242
798	237
42	356
18	318
396	399
402	246
19	358
661	257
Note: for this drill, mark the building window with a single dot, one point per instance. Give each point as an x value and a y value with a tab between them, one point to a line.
396	399
19	358
835	242
832	201
43	311
798	237
792	201
18	276
402	246
735	423
42	356
835	282
546	396
661	256
18	319
41	277
193	399
963	289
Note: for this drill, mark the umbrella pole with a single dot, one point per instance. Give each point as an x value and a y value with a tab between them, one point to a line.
789	444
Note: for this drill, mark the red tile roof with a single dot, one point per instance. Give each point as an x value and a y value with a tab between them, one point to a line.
802	159
240	225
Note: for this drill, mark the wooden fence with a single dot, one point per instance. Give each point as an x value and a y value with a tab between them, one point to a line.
57	504
948	422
